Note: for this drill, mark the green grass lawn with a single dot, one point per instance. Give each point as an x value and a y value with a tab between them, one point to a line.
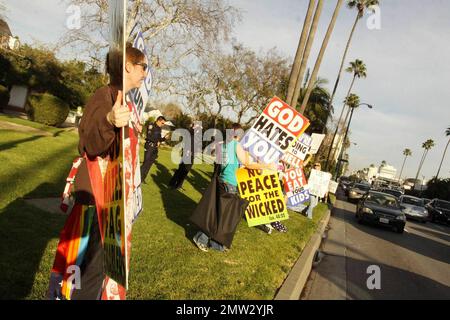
165	263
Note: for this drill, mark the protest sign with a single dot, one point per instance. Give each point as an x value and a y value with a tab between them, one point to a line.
274	131
136	101
263	190
318	183
140	96
296	153
332	187
316	142
295	185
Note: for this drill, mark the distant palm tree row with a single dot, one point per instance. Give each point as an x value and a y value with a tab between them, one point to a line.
427	145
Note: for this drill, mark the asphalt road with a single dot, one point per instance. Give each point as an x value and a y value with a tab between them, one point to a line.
412	265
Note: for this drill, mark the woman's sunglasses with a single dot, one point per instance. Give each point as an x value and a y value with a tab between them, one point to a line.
143	65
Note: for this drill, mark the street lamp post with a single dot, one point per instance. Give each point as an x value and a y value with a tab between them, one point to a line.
338	167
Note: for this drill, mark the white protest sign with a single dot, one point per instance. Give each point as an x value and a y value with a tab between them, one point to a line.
332	187
318	183
317	140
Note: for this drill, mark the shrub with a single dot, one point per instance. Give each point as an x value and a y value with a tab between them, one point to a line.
4	96
47	109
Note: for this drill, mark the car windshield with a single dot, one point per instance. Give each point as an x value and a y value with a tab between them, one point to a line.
413	201
382	200
363	187
393	192
443	204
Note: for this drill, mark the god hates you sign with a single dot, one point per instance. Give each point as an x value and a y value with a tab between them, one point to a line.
262	189
274	132
295	185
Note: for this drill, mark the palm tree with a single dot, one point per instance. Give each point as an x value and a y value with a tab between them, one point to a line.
320	56
317	109
447	134
360	6
306	53
407	153
299	54
352	101
427	145
359	70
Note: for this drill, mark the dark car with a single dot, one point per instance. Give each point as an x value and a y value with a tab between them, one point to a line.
381	209
357	191
396	193
439	210
344	183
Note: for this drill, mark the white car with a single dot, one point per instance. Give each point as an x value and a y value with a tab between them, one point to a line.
414	208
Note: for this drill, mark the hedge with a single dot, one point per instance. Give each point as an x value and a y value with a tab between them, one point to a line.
47	109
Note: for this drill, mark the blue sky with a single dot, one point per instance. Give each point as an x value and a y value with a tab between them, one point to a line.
407	62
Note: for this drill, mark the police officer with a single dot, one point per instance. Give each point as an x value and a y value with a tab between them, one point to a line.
152	143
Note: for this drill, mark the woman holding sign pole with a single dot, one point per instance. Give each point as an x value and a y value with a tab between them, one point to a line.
81	245
233	156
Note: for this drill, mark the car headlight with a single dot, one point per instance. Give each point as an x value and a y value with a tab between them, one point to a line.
367	210
439	211
401	218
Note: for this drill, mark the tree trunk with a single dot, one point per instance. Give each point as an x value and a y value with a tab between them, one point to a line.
320	57
340	117
343	62
421	163
309	43
401	171
299	55
443	156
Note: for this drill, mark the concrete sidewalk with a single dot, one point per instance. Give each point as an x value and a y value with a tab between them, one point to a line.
333	263
297	278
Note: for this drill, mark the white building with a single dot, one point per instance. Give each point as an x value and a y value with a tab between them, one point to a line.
387	171
372	172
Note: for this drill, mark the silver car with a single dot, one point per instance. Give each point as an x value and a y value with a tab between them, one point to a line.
357	191
414	208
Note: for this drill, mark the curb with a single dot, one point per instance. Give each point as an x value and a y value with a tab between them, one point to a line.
297	278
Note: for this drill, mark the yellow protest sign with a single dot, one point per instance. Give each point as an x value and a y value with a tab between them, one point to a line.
263	190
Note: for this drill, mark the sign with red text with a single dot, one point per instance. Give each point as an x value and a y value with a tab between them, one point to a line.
295	186
263	190
297	152
273	133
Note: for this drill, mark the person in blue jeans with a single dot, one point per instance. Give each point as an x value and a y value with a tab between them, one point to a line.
233	155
